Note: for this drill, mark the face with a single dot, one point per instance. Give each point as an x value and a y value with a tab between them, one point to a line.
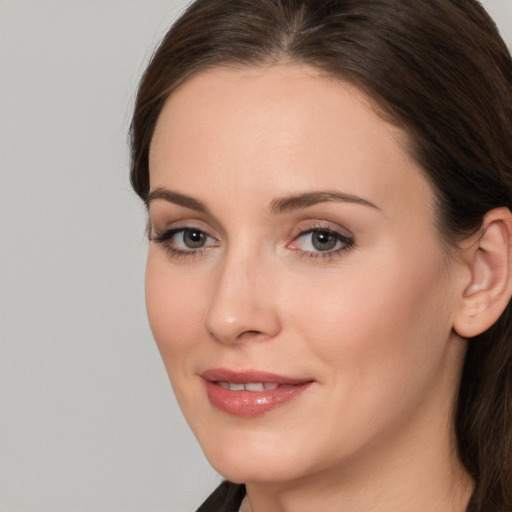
298	291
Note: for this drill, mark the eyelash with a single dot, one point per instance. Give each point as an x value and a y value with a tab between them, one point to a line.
166	238
346	241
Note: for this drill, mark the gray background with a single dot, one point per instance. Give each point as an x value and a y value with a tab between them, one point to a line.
87	419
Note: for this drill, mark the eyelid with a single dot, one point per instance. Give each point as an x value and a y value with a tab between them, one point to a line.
346	239
318	225
166	239
160	226
167	234
163	216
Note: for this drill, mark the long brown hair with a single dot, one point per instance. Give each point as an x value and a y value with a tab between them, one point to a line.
436	68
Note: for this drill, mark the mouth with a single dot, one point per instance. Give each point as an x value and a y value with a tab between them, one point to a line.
251	393
253	386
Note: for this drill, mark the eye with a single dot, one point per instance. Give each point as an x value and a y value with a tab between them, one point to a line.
190	239
321	240
184	241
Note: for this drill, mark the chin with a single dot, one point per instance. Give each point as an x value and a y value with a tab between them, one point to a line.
263	458
250	471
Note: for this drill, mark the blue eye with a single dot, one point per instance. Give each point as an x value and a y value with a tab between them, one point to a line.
321	240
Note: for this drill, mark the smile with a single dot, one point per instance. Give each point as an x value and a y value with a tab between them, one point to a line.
253	386
249	394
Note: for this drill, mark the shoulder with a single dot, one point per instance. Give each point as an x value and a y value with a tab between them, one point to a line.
226	498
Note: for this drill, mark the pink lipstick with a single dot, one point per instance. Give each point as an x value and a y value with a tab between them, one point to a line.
251	393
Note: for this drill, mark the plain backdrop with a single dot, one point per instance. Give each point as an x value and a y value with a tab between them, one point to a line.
88	422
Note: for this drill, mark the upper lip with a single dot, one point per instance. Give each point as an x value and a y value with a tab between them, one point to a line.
249	376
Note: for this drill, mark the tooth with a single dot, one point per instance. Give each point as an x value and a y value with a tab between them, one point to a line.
236	387
269	385
254	386
224	385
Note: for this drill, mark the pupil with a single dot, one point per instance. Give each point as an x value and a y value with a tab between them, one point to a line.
324	241
193	239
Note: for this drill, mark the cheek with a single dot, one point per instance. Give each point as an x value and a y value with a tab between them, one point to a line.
381	328
174	302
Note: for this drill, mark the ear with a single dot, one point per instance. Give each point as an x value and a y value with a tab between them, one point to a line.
489	259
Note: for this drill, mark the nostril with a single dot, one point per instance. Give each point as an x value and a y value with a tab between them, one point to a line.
234	337
251	333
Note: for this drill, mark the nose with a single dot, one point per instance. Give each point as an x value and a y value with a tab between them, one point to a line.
243	305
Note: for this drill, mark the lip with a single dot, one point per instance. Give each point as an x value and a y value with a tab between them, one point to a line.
251	403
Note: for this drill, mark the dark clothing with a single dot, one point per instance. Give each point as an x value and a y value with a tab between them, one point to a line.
226	498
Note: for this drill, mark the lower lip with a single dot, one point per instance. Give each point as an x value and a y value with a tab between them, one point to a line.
252	403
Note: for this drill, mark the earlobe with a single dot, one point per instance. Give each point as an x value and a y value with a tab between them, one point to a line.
487	294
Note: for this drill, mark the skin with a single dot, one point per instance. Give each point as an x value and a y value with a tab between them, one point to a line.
372	325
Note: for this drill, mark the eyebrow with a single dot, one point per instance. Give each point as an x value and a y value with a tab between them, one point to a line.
176	198
279	206
300	201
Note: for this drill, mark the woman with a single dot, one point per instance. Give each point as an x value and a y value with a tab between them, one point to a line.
329	188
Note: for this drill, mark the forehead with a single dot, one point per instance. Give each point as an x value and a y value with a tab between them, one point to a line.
287	125
290	101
